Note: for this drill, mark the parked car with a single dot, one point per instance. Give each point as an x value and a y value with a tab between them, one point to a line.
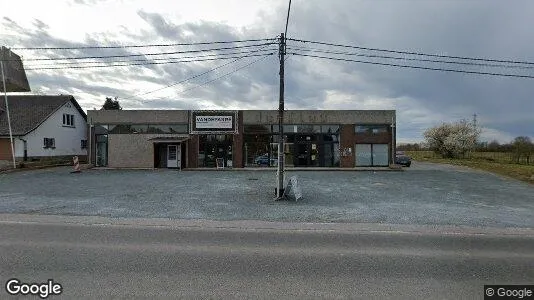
402	159
263	160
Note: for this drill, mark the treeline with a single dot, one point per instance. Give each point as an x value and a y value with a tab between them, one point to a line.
461	140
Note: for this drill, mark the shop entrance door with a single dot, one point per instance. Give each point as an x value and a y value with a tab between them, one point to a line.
173	156
302	155
101	150
306	154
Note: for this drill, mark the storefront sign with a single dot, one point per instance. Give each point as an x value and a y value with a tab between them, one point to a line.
213	122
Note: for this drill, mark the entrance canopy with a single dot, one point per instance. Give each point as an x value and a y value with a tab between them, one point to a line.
169	139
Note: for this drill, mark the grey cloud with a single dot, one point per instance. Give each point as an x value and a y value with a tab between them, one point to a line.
422	98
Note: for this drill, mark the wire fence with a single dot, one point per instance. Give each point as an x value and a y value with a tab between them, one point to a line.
500	157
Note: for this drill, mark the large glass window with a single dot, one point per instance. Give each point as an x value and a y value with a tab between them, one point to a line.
170	128
257	152
212	147
141	128
257	129
371	129
304	145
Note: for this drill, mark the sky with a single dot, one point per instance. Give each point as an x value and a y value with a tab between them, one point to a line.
487	29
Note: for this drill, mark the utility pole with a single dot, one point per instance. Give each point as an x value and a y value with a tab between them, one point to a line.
7	107
475	120
280	171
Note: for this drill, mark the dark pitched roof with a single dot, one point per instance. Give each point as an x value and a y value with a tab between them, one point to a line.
27	112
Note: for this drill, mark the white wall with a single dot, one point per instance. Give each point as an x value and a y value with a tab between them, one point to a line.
68	139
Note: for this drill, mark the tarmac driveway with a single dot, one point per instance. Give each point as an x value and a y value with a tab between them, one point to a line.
425	194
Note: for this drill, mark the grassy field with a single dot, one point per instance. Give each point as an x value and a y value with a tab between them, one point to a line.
491	164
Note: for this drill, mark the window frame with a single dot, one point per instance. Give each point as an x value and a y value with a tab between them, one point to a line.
68	120
49	143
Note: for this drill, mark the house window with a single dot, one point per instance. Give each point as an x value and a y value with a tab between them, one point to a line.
84	144
68	120
49	143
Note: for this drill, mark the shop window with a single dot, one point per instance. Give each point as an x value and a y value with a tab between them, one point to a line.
257	128
212	147
170	128
330	128
257	150
139	128
371	129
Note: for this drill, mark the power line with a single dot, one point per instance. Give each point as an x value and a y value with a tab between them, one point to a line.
416	67
227	74
146	60
150	54
410	59
415	53
139	64
139	46
195	76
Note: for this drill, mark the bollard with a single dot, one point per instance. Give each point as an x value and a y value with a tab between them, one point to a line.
76	165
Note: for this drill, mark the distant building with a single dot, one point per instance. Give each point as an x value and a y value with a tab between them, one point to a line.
43	127
238	139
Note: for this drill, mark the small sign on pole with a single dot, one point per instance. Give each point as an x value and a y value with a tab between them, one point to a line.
76	165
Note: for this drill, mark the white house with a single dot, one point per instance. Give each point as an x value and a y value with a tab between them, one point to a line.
42	127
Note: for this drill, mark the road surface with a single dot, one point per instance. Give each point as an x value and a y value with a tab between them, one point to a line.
101	260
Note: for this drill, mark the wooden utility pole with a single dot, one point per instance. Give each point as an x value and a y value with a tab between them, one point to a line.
7	109
280	171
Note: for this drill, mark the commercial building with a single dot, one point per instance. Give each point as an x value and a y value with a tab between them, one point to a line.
238	139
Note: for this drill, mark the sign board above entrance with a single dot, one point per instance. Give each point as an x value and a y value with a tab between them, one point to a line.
213	122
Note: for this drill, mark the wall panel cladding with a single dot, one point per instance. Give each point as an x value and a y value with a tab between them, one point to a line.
320	117
132	150
138	116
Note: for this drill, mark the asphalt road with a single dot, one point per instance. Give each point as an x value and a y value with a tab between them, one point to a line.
284	261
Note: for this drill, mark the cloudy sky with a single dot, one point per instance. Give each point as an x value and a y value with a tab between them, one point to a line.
244	79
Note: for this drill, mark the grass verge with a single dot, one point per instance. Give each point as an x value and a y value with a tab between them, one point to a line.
522	172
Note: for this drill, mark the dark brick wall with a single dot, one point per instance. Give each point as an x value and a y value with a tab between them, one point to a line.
237	147
348	140
192	151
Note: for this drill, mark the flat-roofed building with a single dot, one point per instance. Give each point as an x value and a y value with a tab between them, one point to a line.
240	139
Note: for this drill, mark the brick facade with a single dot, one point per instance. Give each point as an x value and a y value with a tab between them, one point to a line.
137	150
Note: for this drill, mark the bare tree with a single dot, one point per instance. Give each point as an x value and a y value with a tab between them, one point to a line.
523	147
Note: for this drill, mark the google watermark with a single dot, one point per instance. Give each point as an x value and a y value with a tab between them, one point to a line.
44	290
509	292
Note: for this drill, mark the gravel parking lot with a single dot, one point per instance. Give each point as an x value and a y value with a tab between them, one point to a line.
423	194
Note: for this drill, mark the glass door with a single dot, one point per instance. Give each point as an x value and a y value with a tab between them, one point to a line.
101	150
172	156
